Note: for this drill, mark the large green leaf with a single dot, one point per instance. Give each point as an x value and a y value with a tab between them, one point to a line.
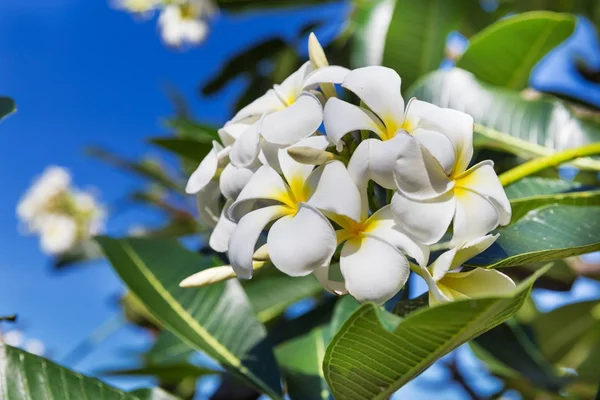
167	373
522	206
24	376
504	53
273	292
536	186
512	345
7	106
217	319
550	233
367	361
416	36
558	331
168	348
505	119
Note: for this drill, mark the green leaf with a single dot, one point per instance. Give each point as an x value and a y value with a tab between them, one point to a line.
535	186
505	119
512	345
416	37
301	360
168	348
217	319
186	127
504	53
81	252
559	330
544	234
7	107
367	361
190	149
171	373
273	292
344	308
24	376
522	206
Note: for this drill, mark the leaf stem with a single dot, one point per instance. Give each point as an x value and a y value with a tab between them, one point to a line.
541	163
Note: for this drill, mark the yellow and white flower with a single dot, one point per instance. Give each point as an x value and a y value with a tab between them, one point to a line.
186	22
446	284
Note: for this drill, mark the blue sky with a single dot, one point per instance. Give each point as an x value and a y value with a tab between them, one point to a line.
83	73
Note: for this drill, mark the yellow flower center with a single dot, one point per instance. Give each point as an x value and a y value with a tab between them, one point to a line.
392	127
298	191
351	229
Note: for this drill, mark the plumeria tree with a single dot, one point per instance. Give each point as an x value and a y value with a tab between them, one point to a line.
357	171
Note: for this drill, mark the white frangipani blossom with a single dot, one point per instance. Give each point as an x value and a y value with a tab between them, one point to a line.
58	233
379	89
185	23
289	112
301	239
435	188
137	6
447	284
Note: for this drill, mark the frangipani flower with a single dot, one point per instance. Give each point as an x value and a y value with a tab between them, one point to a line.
372	261
446	285
137	6
301	239
58	233
379	89
288	113
436	188
184	23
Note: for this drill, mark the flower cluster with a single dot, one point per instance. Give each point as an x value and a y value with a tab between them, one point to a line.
360	204
180	21
61	215
16	338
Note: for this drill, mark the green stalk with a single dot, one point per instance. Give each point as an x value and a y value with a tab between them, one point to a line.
533	166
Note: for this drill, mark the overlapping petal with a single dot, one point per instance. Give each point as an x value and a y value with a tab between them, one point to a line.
342	117
244	151
297	121
475	216
207	169
219	238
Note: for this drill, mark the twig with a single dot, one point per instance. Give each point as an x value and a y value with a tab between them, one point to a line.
9	318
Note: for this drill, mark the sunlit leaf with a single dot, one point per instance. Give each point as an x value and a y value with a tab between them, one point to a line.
505	119
367	361
416	37
522	206
217	319
504	53
167	373
535	186
545	234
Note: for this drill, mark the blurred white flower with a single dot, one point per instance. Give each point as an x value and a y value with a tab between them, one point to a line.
447	284
13	338
58	233
137	6
53	181
35	346
185	23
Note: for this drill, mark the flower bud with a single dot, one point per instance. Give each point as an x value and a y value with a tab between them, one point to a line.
262	254
310	155
214	275
316	53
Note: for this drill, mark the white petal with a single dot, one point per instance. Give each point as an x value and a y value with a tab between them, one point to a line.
470	249
207	201
382	225
373	269
301	243
267	103
265	184
322	274
245	149
479	282
427	220
437	294
438	146
341	117
334	190
443	264
382	160
269	155
231	131
243	240
294	172
219	238
233	179
475	216
298	121
455	125
482	178
379	89
418	174
206	170
332	74
292	86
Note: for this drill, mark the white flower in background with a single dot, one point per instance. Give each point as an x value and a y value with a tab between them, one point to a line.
137	6
185	23
54	181
286	114
372	262
35	346
435	188
58	233
446	284
13	338
301	239
379	89
16	338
